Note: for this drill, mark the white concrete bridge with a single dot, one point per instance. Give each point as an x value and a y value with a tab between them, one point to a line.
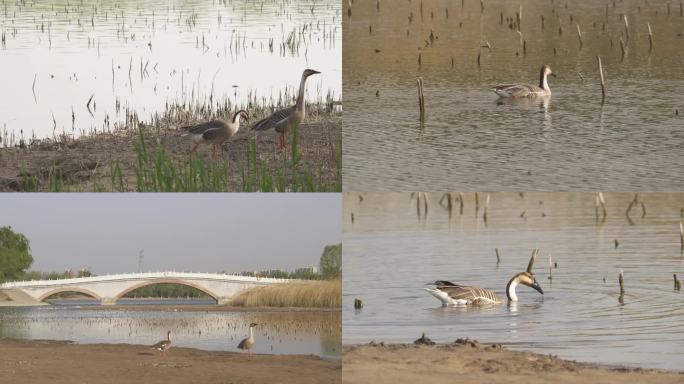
110	288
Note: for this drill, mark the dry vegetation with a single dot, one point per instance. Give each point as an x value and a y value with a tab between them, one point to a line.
315	294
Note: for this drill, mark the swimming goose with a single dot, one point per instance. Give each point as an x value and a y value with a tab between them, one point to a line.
286	118
525	90
451	294
215	132
163	345
248	342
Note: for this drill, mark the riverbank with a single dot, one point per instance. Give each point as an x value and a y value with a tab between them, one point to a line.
61	362
120	162
471	362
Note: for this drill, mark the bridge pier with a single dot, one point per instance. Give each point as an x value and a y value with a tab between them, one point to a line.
223	301
108	301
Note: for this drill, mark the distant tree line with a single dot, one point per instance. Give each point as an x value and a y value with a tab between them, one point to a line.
15	260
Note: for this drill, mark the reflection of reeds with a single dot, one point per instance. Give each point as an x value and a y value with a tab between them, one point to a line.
319	294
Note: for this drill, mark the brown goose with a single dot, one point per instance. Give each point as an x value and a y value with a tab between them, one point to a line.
248	342
215	132
451	294
525	90
287	118
163	345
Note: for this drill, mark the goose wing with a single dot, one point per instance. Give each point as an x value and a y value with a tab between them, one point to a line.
476	295
161	345
516	90
243	344
275	120
206	128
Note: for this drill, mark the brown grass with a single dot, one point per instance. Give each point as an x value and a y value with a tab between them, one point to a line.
315	294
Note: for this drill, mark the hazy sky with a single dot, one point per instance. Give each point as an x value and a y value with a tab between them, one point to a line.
194	232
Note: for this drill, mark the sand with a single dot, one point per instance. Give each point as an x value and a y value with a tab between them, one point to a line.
466	363
61	362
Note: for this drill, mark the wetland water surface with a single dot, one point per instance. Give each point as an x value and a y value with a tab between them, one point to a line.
141	56
390	255
301	333
472	141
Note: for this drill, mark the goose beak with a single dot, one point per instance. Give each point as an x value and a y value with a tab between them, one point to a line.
552	74
537	287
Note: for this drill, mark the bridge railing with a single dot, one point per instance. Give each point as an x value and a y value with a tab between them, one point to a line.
146	275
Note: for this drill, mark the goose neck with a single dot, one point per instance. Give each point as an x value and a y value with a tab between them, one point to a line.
510	289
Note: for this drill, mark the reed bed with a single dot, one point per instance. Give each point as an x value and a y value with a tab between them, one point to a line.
318	294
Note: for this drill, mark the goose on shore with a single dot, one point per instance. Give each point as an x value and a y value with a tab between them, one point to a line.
163	345
451	294
284	119
248	342
215	132
526	90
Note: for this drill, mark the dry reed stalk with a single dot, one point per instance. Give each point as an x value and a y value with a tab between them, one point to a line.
313	294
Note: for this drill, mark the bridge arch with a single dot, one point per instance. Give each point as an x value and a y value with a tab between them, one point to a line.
166	281
69	289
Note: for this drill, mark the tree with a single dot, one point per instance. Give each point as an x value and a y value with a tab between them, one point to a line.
15	254
331	261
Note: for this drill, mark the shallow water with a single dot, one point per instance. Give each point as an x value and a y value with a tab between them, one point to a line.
139	56
390	255
316	333
471	141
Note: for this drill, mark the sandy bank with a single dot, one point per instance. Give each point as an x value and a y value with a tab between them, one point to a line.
465	363
60	362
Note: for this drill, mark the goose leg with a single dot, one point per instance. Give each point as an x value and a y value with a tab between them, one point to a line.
215	153
194	147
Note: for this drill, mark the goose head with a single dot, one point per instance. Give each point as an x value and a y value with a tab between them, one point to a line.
309	72
253	325
523	278
546	71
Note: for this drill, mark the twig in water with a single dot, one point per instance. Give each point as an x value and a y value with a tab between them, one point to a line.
650	37
33	88
421	99
533	257
603	83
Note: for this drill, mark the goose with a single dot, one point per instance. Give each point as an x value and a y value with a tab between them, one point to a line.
525	90
451	294
163	345
248	342
284	119
215	132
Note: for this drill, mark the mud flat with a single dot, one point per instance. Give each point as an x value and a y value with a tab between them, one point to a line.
113	161
62	362
472	362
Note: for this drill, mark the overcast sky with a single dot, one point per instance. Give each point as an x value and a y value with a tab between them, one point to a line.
193	232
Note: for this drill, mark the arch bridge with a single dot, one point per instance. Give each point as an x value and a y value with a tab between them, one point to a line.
110	288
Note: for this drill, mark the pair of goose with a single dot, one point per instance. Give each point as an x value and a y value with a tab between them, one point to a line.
245	344
216	132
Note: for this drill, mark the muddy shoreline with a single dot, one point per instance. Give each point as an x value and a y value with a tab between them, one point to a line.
58	362
473	362
88	163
